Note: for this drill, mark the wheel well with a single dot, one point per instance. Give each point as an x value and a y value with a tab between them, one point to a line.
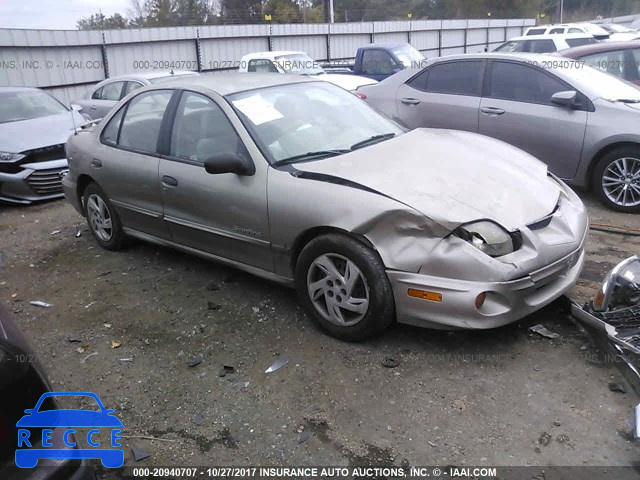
82	183
601	153
308	235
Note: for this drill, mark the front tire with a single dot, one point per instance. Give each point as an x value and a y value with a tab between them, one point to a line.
616	179
344	287
102	218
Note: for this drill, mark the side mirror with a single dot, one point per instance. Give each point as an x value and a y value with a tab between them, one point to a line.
229	163
76	107
564	99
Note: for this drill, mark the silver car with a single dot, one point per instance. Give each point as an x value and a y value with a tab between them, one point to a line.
109	92
298	181
34	127
584	124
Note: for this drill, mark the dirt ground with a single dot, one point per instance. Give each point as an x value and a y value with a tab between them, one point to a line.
499	397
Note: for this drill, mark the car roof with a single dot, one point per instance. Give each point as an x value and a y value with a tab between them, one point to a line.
18	89
577	52
551	36
227	83
520	56
148	75
271	55
387	45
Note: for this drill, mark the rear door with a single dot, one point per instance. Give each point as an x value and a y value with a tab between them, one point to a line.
225	214
444	95
516	107
125	164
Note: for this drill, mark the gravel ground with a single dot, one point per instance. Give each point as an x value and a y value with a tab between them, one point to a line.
499	397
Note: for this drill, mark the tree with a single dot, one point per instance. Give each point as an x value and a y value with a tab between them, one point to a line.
241	11
99	21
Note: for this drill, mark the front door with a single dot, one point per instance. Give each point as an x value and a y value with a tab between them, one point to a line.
517	108
224	214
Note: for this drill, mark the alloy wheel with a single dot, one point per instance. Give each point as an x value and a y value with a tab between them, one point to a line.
621	182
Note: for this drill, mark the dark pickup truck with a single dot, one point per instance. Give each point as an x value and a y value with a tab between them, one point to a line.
380	60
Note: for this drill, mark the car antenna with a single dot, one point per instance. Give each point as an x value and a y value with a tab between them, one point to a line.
66	89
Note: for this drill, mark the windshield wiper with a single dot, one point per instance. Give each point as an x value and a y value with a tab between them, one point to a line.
372	140
311	156
628	100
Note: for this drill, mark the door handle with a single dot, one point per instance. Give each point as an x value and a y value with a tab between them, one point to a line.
93	107
410	101
492	111
95	163
169	181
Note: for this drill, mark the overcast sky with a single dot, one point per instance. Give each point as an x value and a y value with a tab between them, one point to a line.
56	14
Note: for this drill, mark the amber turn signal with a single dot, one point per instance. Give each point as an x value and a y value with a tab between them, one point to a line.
425	295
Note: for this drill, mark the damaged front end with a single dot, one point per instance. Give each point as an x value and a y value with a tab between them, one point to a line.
615	315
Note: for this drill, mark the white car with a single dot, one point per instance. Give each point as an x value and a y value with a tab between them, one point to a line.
598	32
298	63
547	43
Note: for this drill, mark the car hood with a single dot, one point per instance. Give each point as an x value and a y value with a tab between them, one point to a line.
453	177
40	132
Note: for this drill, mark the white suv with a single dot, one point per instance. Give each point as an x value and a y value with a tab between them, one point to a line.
596	31
545	43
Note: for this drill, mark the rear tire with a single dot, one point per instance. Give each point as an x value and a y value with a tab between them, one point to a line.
616	179
344	287
102	218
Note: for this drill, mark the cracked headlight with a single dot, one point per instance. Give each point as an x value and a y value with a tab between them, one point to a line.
489	237
8	157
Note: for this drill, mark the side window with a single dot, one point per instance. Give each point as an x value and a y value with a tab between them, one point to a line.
419	82
112	91
536	31
110	133
141	124
201	129
377	62
575	30
131	87
610	62
97	95
557	30
261	66
577	42
542	46
457	78
521	83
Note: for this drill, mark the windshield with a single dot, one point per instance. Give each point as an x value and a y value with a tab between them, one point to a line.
293	120
604	85
28	104
409	56
511	46
299	64
170	76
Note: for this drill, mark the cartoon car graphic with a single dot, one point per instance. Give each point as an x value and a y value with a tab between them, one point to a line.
43	423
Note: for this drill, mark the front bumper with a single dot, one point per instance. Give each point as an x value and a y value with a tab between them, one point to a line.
505	302
34	182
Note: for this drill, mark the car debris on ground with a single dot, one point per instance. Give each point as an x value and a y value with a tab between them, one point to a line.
543	331
277	365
